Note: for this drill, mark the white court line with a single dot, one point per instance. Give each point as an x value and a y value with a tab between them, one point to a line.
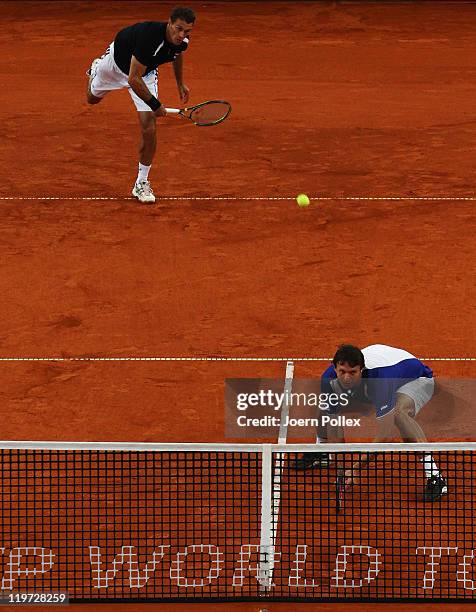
251	198
257	359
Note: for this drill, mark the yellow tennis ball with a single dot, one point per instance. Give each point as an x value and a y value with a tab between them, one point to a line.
302	200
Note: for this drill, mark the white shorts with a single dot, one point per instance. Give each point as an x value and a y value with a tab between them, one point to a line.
420	391
109	77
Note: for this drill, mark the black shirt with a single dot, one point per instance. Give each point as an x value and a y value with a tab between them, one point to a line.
147	43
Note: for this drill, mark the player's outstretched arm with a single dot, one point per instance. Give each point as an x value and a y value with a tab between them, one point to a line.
136	83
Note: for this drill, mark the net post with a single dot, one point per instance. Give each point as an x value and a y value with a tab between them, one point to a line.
266	538
272	497
288	385
279	464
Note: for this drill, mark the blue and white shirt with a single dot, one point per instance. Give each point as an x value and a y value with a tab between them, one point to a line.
386	370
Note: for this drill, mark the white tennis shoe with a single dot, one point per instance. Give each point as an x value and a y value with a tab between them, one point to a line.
143	192
91	71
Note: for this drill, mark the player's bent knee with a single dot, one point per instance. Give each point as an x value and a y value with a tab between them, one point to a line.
399	419
405	405
403	413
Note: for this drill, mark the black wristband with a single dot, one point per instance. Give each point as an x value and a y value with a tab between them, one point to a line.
153	103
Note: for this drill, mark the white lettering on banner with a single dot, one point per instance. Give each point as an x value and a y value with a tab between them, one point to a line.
268	557
297	567
214	569
127	556
464	575
14	567
29	562
435	554
340	581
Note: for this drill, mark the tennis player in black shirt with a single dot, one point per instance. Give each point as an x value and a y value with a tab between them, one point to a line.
131	62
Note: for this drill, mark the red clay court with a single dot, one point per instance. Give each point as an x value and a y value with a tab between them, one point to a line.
368	107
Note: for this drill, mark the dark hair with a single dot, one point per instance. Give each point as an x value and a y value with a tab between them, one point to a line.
184	13
348	353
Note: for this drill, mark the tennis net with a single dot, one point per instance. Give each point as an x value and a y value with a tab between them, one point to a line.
162	522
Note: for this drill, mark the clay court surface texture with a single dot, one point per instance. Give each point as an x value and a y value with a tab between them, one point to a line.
368	107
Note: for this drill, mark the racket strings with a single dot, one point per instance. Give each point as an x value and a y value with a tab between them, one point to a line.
212	112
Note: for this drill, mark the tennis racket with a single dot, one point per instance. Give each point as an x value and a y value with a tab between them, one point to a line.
212	112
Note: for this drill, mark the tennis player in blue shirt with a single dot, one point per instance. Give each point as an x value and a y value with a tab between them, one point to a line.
398	385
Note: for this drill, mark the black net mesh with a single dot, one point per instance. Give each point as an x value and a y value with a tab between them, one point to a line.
172	525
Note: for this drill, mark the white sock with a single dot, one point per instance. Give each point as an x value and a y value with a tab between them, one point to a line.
431	469
143	173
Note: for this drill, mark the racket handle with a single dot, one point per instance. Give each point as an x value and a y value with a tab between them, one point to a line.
172	111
